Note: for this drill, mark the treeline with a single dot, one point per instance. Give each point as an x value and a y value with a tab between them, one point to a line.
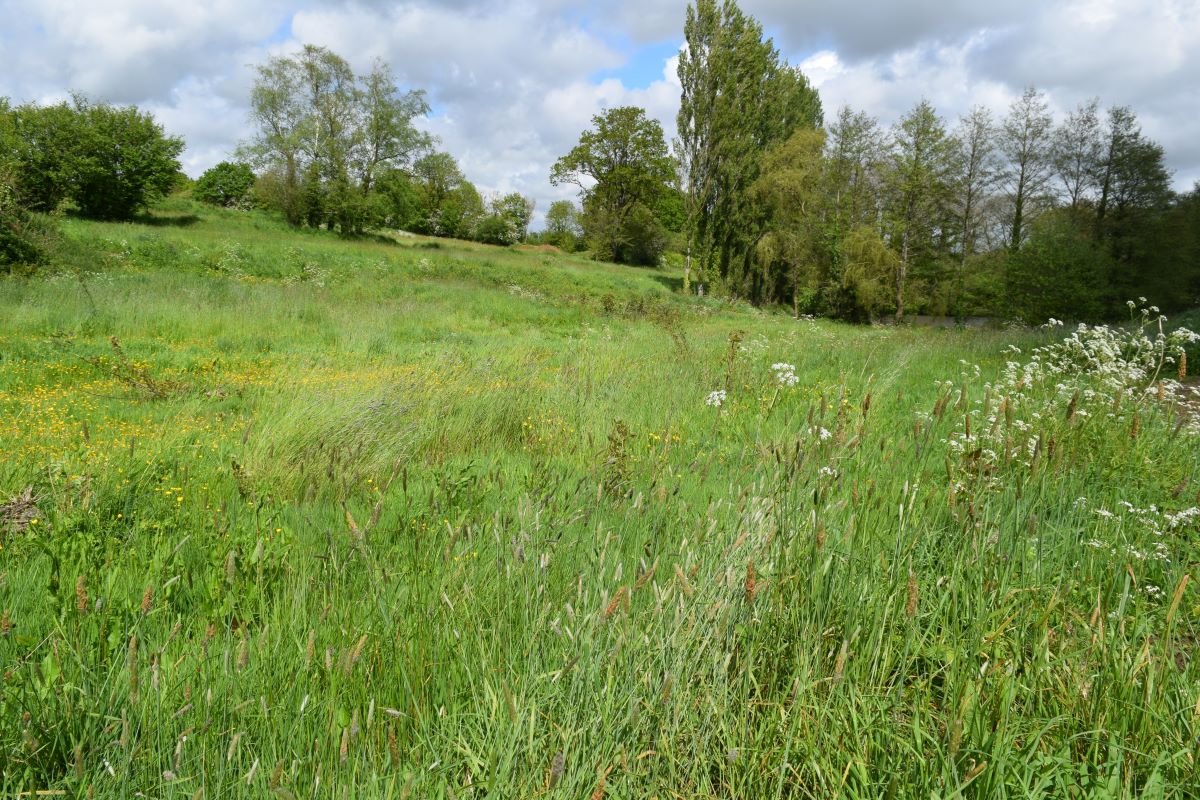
1019	216
1012	217
760	196
331	150
338	150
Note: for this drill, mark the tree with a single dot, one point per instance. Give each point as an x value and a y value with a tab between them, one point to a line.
388	138
507	220
1025	142
449	203
789	190
323	131
400	200
1060	272
562	225
1076	150
917	178
622	168
739	98
111	161
1134	198
228	184
974	173
853	159
870	275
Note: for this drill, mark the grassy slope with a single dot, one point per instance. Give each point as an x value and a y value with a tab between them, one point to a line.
417	517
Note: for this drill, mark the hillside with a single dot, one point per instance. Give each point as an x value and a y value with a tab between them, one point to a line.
402	517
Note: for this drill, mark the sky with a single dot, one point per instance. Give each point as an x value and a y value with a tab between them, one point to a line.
513	84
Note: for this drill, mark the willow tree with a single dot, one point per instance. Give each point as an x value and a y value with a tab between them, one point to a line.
789	191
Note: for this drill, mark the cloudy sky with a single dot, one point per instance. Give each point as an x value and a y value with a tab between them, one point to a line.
514	83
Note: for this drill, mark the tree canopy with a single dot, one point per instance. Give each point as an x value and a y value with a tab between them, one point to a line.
327	135
623	169
109	161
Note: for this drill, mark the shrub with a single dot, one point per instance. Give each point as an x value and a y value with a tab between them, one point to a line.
111	161
228	184
1060	272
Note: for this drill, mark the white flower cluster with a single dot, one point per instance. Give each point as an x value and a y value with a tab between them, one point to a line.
1090	373
785	374
1134	523
715	399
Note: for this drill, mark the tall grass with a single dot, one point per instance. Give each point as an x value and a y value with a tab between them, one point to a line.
457	522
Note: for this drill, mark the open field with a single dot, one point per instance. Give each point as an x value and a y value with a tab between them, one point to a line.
314	518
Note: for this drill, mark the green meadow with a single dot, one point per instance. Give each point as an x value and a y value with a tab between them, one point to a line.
284	515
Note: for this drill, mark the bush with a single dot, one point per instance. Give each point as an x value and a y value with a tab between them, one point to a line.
494	229
227	185
110	161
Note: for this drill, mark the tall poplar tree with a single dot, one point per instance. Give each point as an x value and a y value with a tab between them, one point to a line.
739	98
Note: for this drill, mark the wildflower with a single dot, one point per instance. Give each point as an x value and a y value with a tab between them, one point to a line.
785	374
715	399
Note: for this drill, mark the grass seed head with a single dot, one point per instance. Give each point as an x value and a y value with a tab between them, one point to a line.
148	599
392	744
615	603
600	787
81	595
839	666
557	765
914	595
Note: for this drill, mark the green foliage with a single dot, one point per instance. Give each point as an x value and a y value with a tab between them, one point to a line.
917	172
325	136
562	226
110	161
1060	272
623	169
228	184
870	273
790	192
400	200
739	99
506	221
26	239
